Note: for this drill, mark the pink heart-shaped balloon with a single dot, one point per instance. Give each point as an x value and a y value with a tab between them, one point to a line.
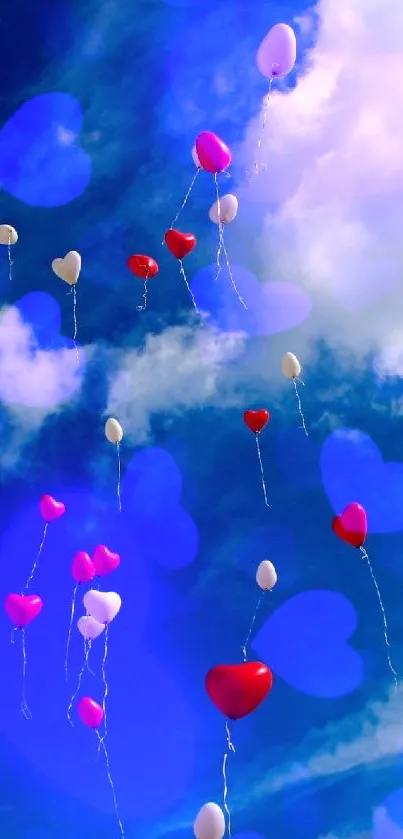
23	609
352	525
90	713
213	154
105	561
82	568
51	509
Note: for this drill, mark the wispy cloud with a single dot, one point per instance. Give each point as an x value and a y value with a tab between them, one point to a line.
334	174
359	740
179	369
34	383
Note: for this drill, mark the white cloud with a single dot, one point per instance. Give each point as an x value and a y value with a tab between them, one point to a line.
333	151
179	369
34	383
359	740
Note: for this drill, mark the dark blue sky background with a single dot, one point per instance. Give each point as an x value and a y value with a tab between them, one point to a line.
100	107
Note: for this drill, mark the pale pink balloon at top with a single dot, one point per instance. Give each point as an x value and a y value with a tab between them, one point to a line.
23	609
105	561
213	154
50	509
90	713
277	53
82	568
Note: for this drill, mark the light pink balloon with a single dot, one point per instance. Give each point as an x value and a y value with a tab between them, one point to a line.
90	628
213	154
90	713
277	53
102	605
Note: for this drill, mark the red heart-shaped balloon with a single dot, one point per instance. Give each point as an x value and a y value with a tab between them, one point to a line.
237	689
23	609
256	420
352	525
180	244
142	266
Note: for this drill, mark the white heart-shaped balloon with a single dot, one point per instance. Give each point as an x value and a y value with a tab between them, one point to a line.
102	605
195	157
8	235
90	628
68	267
228	209
113	430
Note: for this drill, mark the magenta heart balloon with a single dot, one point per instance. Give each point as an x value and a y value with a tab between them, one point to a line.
213	154
21	609
105	561
90	713
51	509
82	568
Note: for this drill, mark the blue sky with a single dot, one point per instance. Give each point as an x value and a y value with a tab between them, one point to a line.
102	108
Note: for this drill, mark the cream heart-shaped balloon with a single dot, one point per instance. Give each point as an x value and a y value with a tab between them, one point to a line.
90	628
8	235
102	605
68	267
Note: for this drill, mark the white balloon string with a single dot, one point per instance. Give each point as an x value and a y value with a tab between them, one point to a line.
10	262
300	406
75	323
119	478
385	623
220	229
261	471
185	200
230	748
252	623
24	707
185	280
87	650
79	680
73	606
144	306
223	249
34	567
264	114
105	683
101	744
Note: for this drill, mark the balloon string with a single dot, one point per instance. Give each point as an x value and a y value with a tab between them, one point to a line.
33	569
261	471
185	279
222	248
230	748
79	680
252	623
101	744
24	707
87	650
119	478
185	200
299	405
385	623
73	606
264	115
105	734
75	323
144	306
10	262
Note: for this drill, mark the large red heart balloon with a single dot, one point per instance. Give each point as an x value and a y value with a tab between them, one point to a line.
142	266
352	525
180	244
21	609
237	689
256	420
